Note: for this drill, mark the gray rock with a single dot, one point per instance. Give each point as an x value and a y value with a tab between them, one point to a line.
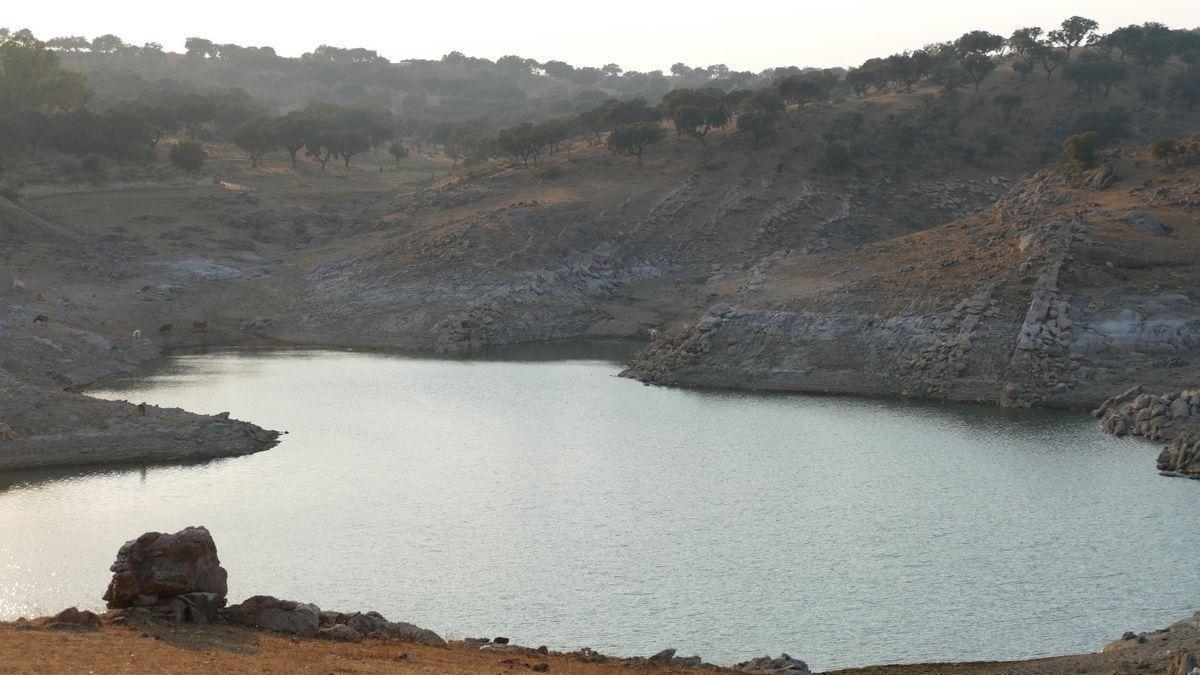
281	616
663	657
766	664
340	633
1147	222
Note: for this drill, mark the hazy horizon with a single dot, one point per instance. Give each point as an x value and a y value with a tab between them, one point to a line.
637	36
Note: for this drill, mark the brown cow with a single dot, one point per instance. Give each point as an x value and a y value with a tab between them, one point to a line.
141	409
42	319
200	326
166	328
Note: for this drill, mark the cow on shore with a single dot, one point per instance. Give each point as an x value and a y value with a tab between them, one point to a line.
165	328
42	319
200	326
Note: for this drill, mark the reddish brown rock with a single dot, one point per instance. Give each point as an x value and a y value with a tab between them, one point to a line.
156	566
73	616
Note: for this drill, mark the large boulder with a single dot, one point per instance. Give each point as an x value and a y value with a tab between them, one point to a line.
281	616
156	566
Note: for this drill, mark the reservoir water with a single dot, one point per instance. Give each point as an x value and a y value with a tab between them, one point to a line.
540	497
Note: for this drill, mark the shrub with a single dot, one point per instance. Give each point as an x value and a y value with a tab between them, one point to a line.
187	156
1177	150
1083	148
839	157
11	187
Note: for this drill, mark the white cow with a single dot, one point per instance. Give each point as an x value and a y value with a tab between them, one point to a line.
18	285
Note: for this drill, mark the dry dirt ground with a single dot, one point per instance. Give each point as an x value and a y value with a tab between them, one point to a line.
155	648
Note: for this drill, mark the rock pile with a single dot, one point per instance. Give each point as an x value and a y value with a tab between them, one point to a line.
1155	417
766	664
178	577
1173	416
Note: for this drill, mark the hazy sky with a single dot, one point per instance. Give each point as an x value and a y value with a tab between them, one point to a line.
638	35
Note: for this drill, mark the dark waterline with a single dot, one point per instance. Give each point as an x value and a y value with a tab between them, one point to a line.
533	493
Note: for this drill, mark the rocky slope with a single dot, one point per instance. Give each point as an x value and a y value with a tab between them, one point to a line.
1063	292
44	421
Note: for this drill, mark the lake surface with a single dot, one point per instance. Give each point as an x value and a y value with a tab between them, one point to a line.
548	500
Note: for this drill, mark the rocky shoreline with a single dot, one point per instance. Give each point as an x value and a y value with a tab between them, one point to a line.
1170	416
173	587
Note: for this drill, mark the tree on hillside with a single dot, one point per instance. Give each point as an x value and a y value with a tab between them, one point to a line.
759	124
1008	103
555	131
107	44
1152	50
522	142
454	59
1048	58
908	68
633	139
256	136
1023	41
398	151
695	112
978	66
292	131
32	79
347	144
69	44
614	113
558	69
978	42
1022	68
199	48
320	144
1094	73
1124	39
187	156
195	112
1185	88
1148	92
860	80
1072	33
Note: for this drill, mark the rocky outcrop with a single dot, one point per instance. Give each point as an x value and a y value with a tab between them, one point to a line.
307	620
1181	458
374	625
178	578
281	616
1135	412
1171	416
782	664
156	568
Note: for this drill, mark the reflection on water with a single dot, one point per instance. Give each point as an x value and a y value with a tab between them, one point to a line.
532	493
